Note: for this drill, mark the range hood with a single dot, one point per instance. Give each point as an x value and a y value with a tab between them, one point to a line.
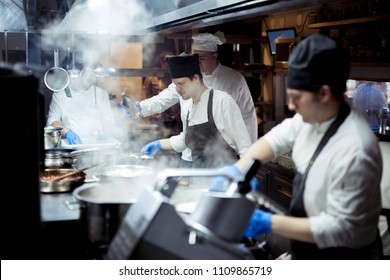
149	16
168	16
204	13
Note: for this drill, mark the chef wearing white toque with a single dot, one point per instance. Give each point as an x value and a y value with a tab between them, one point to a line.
215	76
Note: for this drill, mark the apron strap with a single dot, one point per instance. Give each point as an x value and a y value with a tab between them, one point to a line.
345	109
296	206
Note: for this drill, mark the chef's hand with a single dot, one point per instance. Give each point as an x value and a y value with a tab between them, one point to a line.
259	223
220	183
132	110
151	148
72	137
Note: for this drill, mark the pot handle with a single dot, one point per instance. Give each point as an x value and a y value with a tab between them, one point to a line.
70	205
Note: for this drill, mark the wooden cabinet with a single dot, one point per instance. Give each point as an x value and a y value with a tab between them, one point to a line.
276	182
262	177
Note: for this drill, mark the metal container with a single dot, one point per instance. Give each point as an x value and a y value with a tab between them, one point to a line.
58	158
132	107
102	208
225	215
52	137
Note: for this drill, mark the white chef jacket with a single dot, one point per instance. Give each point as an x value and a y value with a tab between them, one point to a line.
229	80
227	119
224	79
342	193
84	112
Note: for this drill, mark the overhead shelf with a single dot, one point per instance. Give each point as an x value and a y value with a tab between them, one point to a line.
347	21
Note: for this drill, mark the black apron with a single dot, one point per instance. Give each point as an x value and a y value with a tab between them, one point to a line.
306	251
208	148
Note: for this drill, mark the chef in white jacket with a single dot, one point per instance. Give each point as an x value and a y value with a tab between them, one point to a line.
82	110
213	126
215	75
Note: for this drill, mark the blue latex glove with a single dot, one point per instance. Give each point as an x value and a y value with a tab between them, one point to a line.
220	183
151	148
131	108
259	223
72	137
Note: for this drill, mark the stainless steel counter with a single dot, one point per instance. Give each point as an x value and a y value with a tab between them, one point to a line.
54	207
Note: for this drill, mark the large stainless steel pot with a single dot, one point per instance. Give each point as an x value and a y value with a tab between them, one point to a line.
102	208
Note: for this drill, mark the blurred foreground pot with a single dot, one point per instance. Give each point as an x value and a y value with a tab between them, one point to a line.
102	208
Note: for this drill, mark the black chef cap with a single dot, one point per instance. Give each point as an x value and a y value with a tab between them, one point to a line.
183	65
316	61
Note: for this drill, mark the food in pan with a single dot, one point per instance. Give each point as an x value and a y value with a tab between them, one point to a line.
51	177
48	184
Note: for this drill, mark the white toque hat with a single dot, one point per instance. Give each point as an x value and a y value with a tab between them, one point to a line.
208	42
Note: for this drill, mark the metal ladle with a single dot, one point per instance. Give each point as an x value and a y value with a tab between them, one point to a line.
73	73
101	71
110	70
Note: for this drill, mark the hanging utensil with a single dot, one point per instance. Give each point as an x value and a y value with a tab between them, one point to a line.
26	47
6	45
99	70
110	70
56	78
73	72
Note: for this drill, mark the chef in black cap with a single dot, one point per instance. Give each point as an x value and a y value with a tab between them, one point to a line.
213	129
336	199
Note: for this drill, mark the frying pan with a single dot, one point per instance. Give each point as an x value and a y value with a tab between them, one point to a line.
63	158
68	152
56	78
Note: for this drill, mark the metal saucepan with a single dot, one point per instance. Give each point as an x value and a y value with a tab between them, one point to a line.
63	158
56	78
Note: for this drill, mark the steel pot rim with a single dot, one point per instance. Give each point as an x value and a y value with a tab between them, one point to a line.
83	194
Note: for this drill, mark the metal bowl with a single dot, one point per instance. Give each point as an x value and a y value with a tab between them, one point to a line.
48	185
